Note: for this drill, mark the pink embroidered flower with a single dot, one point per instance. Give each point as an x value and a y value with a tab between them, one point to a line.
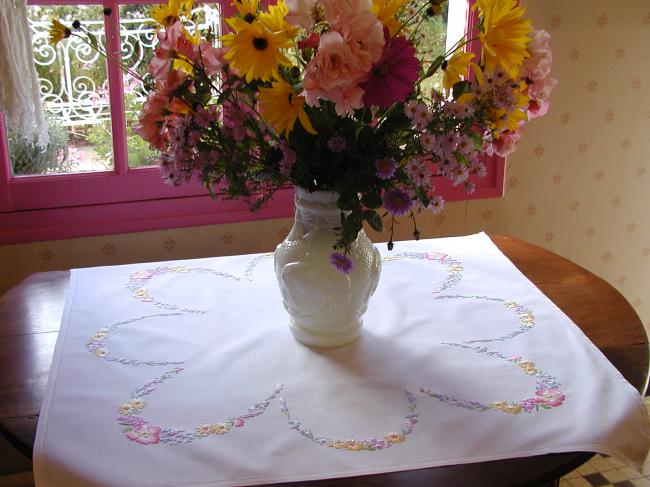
145	434
551	397
393	77
538	65
238	422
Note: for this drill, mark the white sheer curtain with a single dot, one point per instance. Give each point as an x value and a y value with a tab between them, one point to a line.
19	89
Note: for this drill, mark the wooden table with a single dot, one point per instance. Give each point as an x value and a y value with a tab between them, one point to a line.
30	316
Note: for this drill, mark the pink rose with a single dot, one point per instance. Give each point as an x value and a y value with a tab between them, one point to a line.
212	57
504	144
301	13
539	92
539	64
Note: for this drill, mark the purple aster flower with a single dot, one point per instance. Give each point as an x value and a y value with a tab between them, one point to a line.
397	202
386	167
336	144
341	262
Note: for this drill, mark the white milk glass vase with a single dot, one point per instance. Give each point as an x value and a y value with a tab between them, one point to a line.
325	306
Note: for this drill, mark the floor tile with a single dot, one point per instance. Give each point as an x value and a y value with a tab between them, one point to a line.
597	479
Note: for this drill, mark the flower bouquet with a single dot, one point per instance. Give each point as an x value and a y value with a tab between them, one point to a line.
328	95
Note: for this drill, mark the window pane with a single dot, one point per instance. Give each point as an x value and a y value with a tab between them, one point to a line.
138	33
431	38
74	92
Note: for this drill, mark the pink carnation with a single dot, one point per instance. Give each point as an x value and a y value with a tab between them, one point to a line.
345	56
538	65
504	144
539	92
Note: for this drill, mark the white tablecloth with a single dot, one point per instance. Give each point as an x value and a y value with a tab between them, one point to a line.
185	373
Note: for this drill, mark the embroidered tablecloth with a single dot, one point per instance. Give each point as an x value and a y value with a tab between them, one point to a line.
186	373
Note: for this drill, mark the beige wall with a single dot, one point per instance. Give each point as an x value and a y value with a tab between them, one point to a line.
577	185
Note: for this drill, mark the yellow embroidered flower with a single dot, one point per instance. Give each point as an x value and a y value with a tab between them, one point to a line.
132	407
100	352
506	407
385	10
505	34
255	51
455	68
281	105
219	429
394	438
98	336
58	32
203	430
167	15
528	367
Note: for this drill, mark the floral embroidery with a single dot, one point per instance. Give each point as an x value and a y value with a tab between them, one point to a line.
524	315
137	429
371	444
453	267
97	343
547	392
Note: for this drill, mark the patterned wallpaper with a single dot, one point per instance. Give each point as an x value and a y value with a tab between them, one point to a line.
577	185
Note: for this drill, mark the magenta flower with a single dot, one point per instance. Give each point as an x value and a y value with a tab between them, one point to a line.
341	262
386	167
394	75
397	202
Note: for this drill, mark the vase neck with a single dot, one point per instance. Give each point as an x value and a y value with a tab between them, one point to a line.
317	210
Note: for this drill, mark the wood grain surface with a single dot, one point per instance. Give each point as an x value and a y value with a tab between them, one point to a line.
30	316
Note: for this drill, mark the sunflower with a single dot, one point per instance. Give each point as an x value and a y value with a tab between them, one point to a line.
167	15
255	51
455	68
274	19
385	11
505	34
281	105
58	32
247	9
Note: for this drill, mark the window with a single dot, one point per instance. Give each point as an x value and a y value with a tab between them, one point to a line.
95	176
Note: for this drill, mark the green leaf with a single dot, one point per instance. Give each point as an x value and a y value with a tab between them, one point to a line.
371	200
92	39
374	220
348	201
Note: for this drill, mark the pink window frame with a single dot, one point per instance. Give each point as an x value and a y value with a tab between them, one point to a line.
34	208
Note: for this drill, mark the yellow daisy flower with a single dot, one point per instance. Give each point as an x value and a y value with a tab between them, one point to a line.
247	9
455	68
505	34
58	32
274	20
281	105
385	10
255	51
168	14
